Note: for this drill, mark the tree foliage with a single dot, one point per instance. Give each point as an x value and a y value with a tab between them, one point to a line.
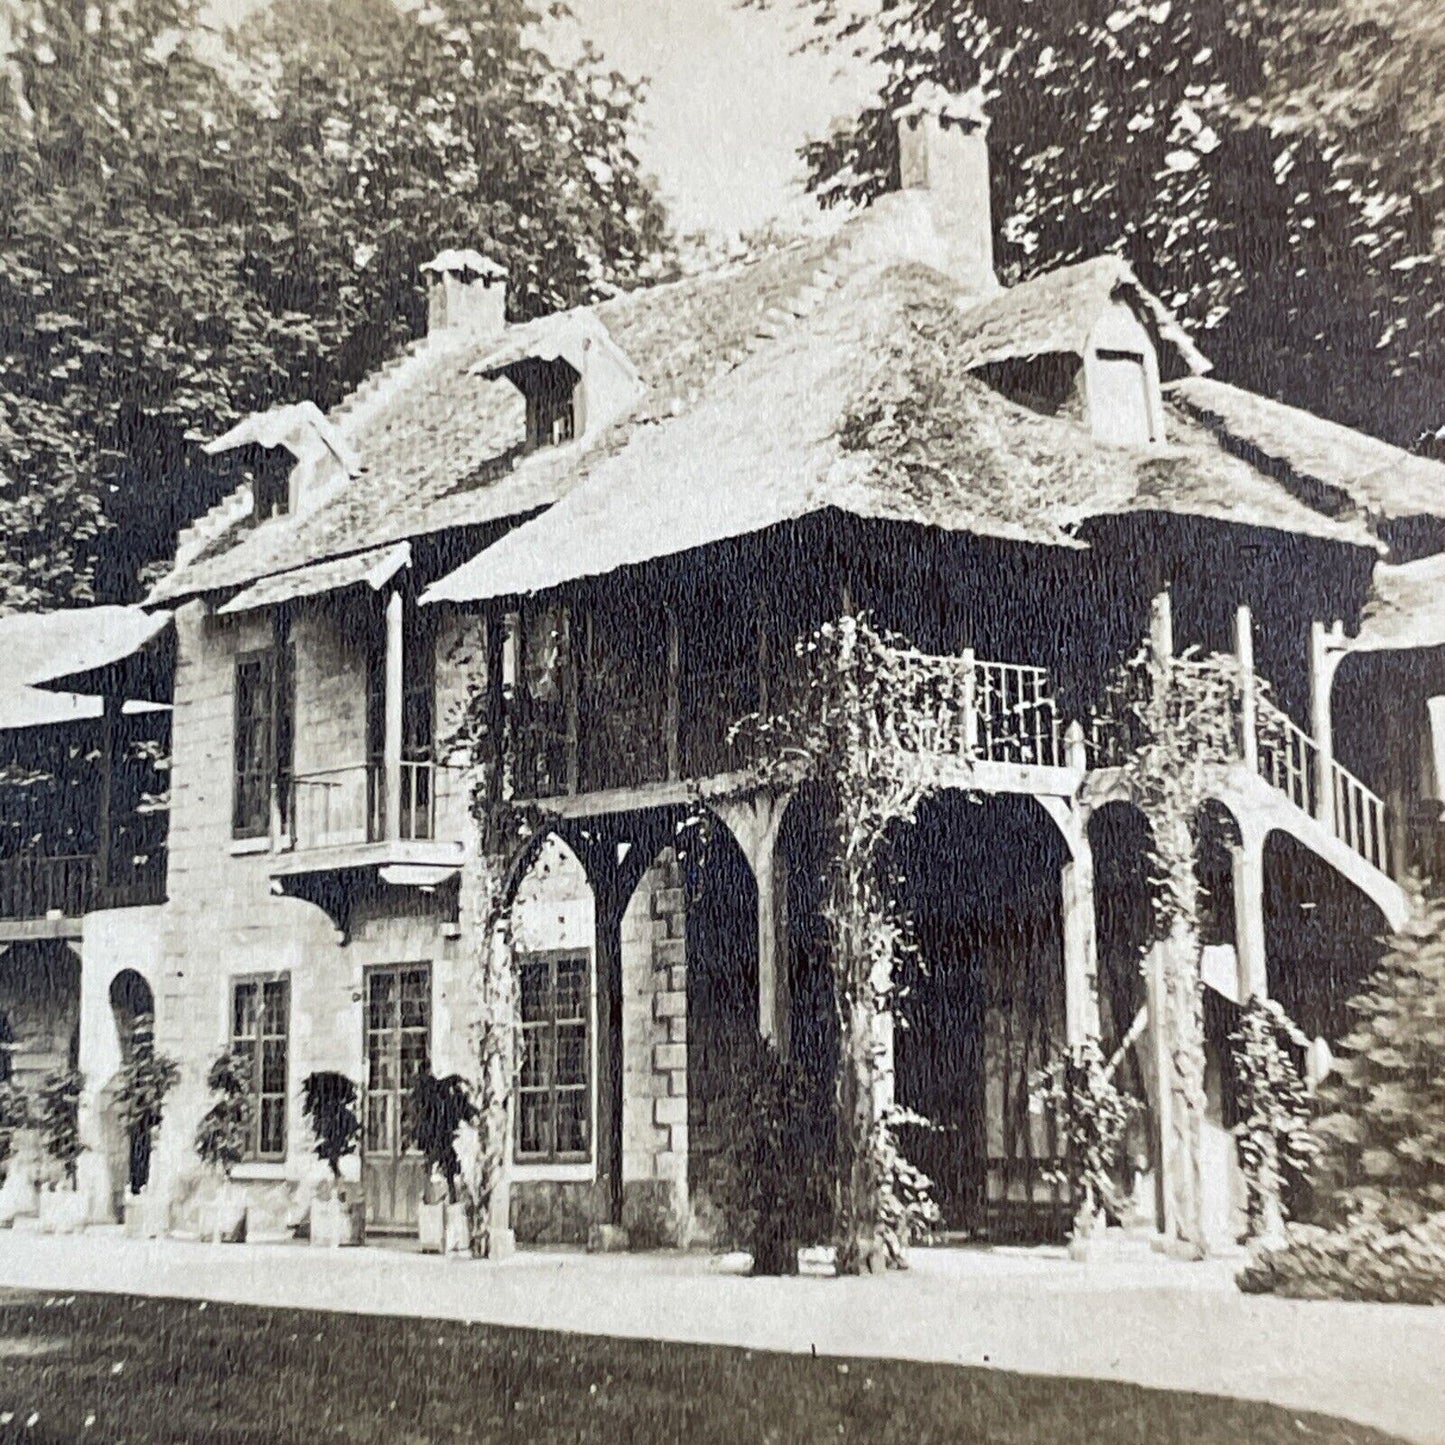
1296	240
196	228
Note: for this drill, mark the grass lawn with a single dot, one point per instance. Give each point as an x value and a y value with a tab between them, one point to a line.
111	1368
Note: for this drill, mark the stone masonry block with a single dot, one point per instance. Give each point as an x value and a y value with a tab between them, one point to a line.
668	901
677	1029
669	1111
677	977
671	952
669	1056
670	1166
669	1005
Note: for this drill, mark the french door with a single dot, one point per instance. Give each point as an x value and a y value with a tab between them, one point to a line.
398	1052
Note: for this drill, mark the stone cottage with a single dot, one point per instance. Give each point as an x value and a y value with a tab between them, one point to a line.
601	534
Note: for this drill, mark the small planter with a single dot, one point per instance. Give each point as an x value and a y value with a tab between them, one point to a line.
63	1211
443	1229
338	1223
225	1219
146	1216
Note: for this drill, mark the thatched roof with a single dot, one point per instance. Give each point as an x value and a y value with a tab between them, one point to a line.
439	445
42	649
1362	470
869	407
1406	607
1056	312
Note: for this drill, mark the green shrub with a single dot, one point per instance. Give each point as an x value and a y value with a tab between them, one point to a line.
224	1133
329	1102
60	1120
773	1176
141	1086
439	1108
1364	1260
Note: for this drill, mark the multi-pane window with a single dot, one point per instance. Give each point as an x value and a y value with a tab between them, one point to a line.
398	1034
264	696
260	1015
554	1087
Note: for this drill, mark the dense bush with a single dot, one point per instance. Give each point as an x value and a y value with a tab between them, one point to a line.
1364	1260
774	1176
14	1114
60	1120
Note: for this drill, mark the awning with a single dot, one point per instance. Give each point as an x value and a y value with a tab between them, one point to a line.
373	568
96	651
1406	607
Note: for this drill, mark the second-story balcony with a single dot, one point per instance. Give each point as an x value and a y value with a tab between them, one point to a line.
333	829
50	894
993	724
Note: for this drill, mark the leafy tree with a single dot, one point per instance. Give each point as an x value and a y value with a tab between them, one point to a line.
1384	1129
195	229
1170	133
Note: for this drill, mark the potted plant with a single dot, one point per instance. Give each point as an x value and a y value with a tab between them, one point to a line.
439	1108
62	1206
221	1140
143	1082
328	1100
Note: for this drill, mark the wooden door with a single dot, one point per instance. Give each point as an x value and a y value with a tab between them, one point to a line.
398	1051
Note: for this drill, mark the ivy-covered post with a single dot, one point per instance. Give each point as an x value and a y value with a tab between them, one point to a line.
1274	1109
1185	716
494	1039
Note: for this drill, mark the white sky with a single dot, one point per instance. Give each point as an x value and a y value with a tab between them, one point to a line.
729	104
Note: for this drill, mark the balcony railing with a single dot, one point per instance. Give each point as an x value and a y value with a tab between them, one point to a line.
1283	754
963	707
337	807
38	886
69	885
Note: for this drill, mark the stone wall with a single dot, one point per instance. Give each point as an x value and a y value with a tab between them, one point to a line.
654	1034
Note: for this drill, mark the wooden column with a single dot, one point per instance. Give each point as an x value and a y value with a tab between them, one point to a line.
1322	675
672	722
104	825
572	698
1248	694
1247	864
775	1002
1154	989
391	717
1081	961
1161	624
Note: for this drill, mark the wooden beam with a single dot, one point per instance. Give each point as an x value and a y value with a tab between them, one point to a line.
672	723
391	717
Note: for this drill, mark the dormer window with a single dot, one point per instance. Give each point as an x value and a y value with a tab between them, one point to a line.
1119	398
552	415
271	482
1121	381
553	394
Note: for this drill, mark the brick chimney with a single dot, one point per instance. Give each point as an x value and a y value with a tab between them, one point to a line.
943	149
465	291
